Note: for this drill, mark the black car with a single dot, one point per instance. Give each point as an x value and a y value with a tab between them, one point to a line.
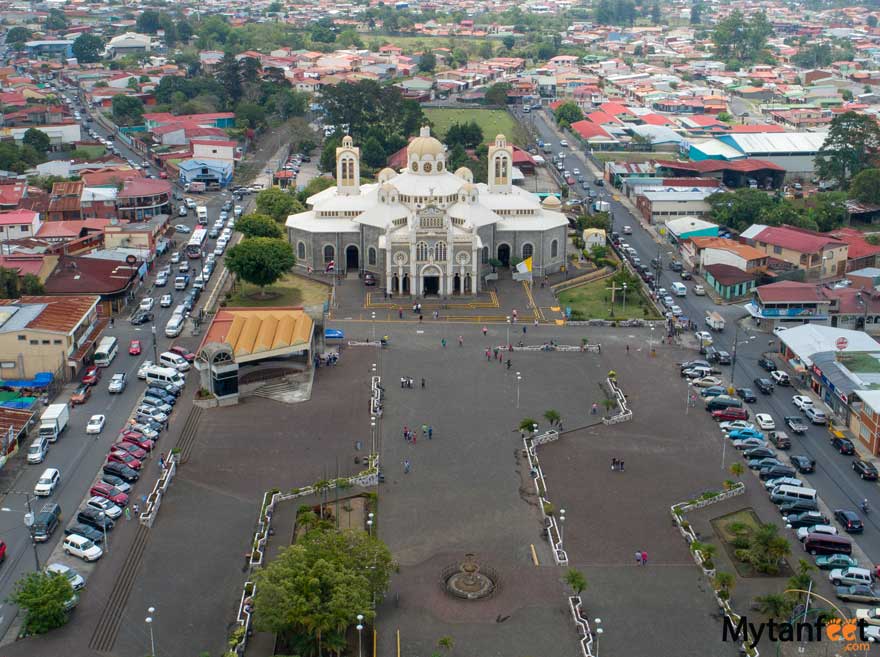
849	520
675	265
802	463
796	424
86	531
764	385
162	395
686	276
759	453
865	469
94	518
798	506
767	364
806	519
776	471
46	521
723	358
141	318
843	445
115	481
746	395
599	182
122	471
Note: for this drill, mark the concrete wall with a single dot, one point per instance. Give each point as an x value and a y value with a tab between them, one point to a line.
38	352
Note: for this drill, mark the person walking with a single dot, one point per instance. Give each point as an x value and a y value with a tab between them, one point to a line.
443	342
485	330
127	513
460	340
135	509
524	329
644	558
488	355
399	313
407	466
639	557
423	383
613	464
405	432
627	350
420	318
509	363
430	432
594	409
620	463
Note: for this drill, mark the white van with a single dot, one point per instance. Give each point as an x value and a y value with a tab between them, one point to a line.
164	375
176	361
174	327
679	289
784	494
38	449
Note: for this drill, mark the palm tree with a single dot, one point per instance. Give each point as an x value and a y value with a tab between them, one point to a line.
446	643
725	582
774	605
801	580
552	416
609	404
575	580
737	470
527	425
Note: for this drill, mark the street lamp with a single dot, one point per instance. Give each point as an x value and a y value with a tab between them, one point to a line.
508	330
370	522
360	629
599	632
374	325
518	379
561	523
149	621
624	297
29	519
736	344
155	345
651	340
687	399
103	518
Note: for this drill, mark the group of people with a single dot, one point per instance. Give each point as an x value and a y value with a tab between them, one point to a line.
407	382
617	464
411	436
330	359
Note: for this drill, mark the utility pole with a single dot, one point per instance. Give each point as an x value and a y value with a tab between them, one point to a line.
29	520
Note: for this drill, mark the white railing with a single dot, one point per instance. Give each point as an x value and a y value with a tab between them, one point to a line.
245	616
154	499
554	536
624	413
582	624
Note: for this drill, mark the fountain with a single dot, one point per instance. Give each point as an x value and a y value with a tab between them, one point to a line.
467	580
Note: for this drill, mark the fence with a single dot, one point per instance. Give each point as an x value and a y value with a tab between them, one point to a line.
624	412
154	500
554	536
583	625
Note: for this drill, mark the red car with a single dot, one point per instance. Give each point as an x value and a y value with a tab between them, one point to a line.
730	414
109	492
92	375
134	348
183	352
2	551
136	438
124	458
134	450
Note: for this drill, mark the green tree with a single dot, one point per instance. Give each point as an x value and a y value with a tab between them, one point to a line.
468	135
290	103
775	605
315	185
184	31
367	108
31	284
828	211
852	145
527	425
259	225
127	110
87	48
725	582
865	186
133	84
249	115
18	35
149	22
260	260
372	153
552	416
872	20
739	209
508	41
56	20
655	14
737	470
486	50
36	139
43	597
278	204
741	38
696	12
497	94
575	580
568	113
428	62
230	78
9	284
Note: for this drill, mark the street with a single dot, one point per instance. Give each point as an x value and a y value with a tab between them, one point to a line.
838	486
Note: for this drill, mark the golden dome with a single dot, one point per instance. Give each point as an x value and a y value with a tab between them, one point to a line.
425	144
465	174
551	203
386	174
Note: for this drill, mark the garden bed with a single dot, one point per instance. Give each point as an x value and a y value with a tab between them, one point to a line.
749	519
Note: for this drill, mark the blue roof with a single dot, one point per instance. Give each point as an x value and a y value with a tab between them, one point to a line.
188	165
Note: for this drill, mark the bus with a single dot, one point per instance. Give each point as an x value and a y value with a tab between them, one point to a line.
202	215
106	351
196	241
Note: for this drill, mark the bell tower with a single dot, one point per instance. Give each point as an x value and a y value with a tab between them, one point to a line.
348	168
500	166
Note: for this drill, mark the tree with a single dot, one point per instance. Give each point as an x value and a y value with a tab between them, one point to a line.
446	643
655	14
56	20
17	35
278	204
696	12
852	145
829	210
428	62
127	110
872	20
725	582
36	139
315	185
575	580
148	22
865	186
527	425
87	48
467	135
739	209
737	470
497	93
508	41
568	113
133	84
741	38
44	598
486	49
184	31
775	605
259	225
230	78
260	260
372	153
31	284
552	416
249	115
9	284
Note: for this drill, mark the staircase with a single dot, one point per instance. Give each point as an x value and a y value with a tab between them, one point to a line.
286	392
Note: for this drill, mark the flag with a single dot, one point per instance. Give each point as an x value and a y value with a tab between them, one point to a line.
331	266
525	267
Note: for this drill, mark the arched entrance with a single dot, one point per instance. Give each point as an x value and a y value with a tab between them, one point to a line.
456	284
504	254
406	286
468	287
431	280
351	257
395	284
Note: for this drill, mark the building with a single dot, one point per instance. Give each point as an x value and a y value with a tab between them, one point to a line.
594	237
793	151
819	255
213	149
60	48
658	206
728	281
19	223
64	202
697	252
861	253
425	230
113	282
47	334
788	303
681	229
142	237
739	173
129	43
210	172
59	134
142	198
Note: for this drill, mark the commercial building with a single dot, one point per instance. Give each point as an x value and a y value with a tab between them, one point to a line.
143	198
661	205
819	255
210	172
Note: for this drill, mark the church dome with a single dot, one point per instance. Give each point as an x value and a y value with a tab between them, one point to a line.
551	203
386	174
425	144
465	174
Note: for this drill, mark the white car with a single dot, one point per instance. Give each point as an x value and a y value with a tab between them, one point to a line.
675	310
76	580
47	482
699	290
802	402
182	228
102	504
218	250
96	424
815	529
142	370
190	203
815	416
237	210
117	383
166	300
704	337
780	378
708	382
182	211
147	304
175	258
735	424
79	546
764	421
627	230
563	142
770	484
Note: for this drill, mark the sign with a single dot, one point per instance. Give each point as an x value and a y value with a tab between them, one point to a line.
841	343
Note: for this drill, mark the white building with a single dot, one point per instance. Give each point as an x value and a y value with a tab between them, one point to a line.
426	230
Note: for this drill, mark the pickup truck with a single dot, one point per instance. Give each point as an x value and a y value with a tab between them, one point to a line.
796	424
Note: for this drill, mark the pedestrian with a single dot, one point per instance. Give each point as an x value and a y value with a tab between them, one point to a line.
460	341
430	433
436	314
443	342
485	330
420	318
406	466
423	383
620	463
594	409
161	463
414	308
405	431
488	355
402	382
524	329
424	429
536	321
112	321
400	313
638	557
409	382
135	509
613	464
127	513
508	363
644	557
627	350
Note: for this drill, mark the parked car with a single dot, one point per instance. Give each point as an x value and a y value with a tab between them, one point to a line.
116	482
141	318
94	535
117	383
802	464
92	375
118	456
858	593
738	434
798	507
806	519
780	378
758	453
109	492
801	401
46	521
182	351
150	431
707	382
764	385
730	414
713	391
134	450
843	445
832	561
865	469
182	228
142	370
138	440
110	509
850	521
749	443
776	471
47	482
157	403
796	424
147	304
81	394
802	532
850	576
746	395
121	470
736	424
79	546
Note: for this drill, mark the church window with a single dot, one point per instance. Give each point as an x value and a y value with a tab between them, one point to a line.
527	250
415	166
329	253
427	167
422	251
440	251
301	250
485	255
554	249
440	166
371	256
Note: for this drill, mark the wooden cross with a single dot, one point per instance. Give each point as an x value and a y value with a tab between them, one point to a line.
613	289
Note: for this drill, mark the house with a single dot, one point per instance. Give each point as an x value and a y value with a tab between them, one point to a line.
98	201
820	256
110	280
56	48
142	198
208	149
217	172
12	194
660	205
18	223
129	43
48	334
728	281
698	252
141	236
64	201
861	253
788	303
594	237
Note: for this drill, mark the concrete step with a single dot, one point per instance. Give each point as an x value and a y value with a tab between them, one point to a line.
284	391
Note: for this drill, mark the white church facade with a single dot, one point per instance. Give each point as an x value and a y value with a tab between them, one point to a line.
425	230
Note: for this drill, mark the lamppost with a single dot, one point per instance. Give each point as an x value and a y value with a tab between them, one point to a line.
561	523
149	621
736	344
103	518
370	522
687	399
624	297
518	379
155	345
373	314
508	331
29	519
373	434
651	340
360	629
599	632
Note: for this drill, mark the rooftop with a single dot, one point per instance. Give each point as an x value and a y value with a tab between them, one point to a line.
791	291
57	314
728	274
796	239
254	334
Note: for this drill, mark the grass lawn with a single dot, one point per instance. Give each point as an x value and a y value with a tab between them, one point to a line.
751	521
593	301
416	43
492	122
93	151
292	290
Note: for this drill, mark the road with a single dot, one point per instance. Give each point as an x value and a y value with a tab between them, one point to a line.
838	485
79	457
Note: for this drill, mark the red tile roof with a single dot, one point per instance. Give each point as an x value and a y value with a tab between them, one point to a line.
859	247
655	119
144	187
796	239
61	314
790	291
18	217
728	275
93	275
756	128
588	130
11	194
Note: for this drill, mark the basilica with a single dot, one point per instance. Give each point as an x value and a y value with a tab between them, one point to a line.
426	230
